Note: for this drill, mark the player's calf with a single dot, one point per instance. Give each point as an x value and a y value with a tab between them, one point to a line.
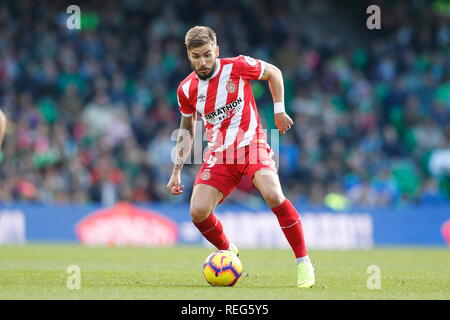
211	228
203	202
291	226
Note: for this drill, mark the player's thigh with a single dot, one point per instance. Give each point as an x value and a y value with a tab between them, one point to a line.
203	201
268	184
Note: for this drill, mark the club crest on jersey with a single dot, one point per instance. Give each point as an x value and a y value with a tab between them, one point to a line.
206	175
231	86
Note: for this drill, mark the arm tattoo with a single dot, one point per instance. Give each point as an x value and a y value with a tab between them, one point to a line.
187	124
184	141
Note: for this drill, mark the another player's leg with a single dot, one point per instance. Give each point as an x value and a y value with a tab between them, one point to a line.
203	202
268	183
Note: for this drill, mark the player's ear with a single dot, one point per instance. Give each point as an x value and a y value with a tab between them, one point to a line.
217	51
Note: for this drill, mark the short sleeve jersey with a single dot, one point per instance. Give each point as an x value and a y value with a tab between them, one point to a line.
225	102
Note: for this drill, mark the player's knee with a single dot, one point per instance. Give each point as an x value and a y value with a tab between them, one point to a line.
274	199
199	212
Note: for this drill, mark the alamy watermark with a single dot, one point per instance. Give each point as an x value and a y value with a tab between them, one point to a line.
221	149
74	20
374	20
374	280
74	279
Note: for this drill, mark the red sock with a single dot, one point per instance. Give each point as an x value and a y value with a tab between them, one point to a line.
291	225
212	230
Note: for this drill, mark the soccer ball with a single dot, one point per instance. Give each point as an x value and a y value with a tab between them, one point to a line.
222	268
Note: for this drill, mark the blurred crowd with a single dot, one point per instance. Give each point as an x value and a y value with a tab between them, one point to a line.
92	112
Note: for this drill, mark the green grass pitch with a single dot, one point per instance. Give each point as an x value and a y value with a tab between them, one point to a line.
39	271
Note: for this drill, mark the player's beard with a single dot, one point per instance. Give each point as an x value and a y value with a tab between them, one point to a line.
209	74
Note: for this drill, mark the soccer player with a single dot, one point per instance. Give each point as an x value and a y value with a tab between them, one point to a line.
219	90
2	126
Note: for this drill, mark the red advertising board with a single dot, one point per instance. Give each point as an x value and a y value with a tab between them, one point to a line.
126	225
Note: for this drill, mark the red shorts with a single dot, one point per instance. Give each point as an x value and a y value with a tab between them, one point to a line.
224	172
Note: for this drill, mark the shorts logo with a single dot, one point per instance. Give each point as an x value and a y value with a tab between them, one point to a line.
206	175
231	86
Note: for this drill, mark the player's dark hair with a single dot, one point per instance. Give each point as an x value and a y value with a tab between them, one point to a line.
198	36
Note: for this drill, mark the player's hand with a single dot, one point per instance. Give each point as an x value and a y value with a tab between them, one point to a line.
174	185
283	122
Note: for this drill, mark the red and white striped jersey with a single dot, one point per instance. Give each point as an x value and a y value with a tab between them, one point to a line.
225	102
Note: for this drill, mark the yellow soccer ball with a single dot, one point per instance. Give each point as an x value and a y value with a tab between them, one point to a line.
222	268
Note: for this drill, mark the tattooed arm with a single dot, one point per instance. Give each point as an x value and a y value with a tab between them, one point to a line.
183	148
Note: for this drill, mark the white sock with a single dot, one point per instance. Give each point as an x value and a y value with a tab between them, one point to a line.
304	259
